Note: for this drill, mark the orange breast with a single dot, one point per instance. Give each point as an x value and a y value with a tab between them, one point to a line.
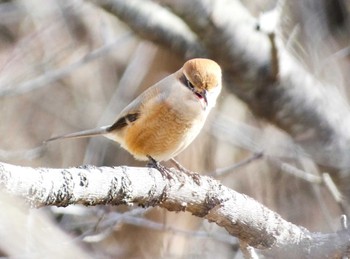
158	133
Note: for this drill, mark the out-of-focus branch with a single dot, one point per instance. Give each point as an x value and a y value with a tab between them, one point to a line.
314	114
26	154
54	75
152	22
25	233
240	215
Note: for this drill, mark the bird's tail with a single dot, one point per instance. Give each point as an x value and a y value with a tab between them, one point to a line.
81	134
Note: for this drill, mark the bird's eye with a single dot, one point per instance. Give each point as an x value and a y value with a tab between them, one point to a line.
189	84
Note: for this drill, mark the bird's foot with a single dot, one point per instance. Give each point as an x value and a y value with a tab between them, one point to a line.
161	168
195	176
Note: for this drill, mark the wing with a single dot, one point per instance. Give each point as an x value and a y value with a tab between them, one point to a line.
123	121
138	107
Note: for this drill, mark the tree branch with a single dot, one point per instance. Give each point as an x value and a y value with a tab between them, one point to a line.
240	215
153	23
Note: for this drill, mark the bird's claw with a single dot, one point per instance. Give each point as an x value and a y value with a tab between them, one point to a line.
161	168
195	176
166	172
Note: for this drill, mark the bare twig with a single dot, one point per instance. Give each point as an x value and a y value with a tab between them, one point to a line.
117	218
344	222
325	179
223	171
248	251
308	177
334	191
328	181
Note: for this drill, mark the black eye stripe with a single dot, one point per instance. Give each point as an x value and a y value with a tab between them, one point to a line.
186	82
183	80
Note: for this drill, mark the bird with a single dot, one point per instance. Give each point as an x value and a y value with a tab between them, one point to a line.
163	120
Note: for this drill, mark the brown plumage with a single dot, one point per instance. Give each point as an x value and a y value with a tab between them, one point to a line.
164	119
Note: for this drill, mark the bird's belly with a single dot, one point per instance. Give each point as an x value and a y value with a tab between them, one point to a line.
161	134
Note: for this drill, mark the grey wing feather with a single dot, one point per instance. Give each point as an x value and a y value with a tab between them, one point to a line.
132	112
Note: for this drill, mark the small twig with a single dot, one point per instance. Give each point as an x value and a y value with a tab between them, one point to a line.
274	56
248	251
325	180
267	23
344	222
125	218
308	177
333	190
244	162
329	183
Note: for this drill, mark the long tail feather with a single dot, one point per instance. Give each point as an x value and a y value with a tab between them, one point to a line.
81	134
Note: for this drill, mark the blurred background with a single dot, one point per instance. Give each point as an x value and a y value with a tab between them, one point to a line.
67	66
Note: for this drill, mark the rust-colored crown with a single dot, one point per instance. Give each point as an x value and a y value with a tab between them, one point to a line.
203	73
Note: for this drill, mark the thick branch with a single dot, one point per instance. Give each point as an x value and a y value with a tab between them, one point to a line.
240	215
152	22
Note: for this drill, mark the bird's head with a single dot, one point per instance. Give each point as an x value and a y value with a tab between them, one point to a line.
203	78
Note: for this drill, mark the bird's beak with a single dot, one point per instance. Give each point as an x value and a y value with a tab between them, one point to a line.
202	97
